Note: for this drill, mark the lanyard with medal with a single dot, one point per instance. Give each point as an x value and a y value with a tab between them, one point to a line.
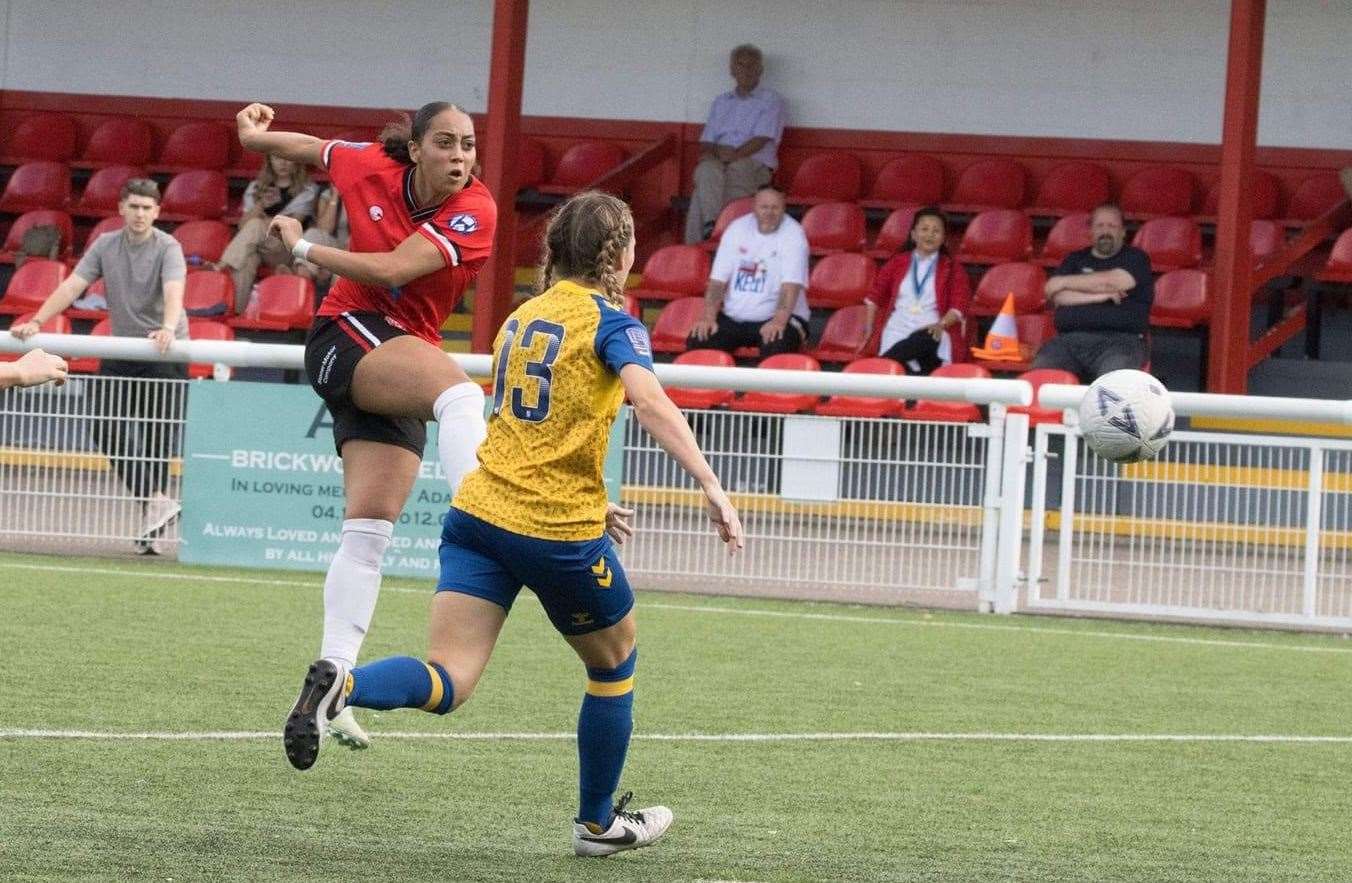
918	283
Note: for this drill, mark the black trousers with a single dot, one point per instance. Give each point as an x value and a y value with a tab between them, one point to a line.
731	334
921	348
136	425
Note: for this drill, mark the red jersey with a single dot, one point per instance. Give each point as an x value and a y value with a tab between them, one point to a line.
377	192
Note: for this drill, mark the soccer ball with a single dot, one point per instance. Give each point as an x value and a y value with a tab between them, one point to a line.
1126	416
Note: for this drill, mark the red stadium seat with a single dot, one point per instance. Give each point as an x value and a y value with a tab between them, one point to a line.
913	179
42	136
702	398
120	141
57	324
841	280
1338	268
38	218
731	212
995	236
1072	187
944	411
204	145
209	293
1265	190
107	225
844	336
30	285
895	233
834	226
674	323
1035	379
673	272
779	402
203	240
195	194
206	329
1034	329
827	177
865	406
1159	190
581	165
1180	300
1266	238
1070	233
990	183
285	303
90	364
33	185
530	164
1316	195
1172	243
1026	281
101	192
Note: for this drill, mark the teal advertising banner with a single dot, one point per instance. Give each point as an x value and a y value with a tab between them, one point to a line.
263	487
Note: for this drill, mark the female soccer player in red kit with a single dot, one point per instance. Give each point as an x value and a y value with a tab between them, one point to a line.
421	227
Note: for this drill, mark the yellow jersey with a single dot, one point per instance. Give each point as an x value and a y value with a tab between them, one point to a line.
556	391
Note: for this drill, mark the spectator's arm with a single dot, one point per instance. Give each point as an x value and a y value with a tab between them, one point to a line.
326	214
788	297
1068	298
707	149
32	368
416	256
56	303
302	205
173	304
713	298
750	148
252	123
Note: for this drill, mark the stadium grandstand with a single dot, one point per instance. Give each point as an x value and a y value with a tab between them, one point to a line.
877	503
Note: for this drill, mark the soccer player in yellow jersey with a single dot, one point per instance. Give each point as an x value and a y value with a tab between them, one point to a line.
535	513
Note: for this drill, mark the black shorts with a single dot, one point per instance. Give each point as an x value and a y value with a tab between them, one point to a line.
333	348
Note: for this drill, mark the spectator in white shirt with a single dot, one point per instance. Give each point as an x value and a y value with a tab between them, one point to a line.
739	146
755	295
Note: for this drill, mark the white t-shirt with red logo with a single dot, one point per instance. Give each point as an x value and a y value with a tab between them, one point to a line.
755	265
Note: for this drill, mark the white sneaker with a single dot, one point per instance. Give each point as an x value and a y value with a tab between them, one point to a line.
629	830
320	700
346	731
160	510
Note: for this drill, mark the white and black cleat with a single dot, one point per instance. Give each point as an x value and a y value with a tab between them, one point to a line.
347	732
629	830
320	700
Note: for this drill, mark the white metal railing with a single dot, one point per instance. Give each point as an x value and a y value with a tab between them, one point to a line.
1239	528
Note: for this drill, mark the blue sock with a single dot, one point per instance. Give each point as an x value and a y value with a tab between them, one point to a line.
401	682
603	728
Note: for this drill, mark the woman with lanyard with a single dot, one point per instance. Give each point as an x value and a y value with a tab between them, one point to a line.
919	301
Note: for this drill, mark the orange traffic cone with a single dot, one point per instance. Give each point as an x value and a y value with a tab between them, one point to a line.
1002	341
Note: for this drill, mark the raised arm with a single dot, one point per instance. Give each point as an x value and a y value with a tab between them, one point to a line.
410	259
253	122
665	423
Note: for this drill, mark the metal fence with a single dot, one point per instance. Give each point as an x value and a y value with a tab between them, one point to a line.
1222	527
83	465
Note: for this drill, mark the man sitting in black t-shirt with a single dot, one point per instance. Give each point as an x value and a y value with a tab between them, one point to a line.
1102	296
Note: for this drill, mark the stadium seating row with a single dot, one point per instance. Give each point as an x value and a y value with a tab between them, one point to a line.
1078	186
202	241
44	184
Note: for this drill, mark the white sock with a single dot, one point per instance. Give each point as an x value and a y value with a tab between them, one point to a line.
352	586
460	428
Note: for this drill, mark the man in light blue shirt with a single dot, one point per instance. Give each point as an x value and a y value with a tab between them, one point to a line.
739	145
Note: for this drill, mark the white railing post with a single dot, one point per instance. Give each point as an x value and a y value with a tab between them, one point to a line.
1011	512
1314	499
990	509
1037	514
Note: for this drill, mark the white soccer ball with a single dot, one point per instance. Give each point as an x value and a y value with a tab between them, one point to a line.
1126	416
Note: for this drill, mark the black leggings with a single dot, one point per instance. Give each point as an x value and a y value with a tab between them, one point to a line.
921	348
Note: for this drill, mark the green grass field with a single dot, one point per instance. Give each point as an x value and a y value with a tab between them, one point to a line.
106	647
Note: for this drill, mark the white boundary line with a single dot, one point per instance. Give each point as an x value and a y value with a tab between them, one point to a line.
149	573
256	735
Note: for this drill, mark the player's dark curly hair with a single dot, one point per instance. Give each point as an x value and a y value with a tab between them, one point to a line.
396	136
584	240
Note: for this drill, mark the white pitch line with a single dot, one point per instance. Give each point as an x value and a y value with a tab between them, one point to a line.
711	608
257	735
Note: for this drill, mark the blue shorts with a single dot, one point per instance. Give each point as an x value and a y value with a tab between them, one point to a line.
580	583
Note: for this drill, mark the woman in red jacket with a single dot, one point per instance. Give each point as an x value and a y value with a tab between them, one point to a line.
919	301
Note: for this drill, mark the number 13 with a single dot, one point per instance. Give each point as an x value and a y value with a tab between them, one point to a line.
541	369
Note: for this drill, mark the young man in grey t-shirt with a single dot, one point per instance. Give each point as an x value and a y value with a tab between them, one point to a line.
143	270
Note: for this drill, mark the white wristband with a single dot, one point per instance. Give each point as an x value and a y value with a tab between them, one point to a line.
301	250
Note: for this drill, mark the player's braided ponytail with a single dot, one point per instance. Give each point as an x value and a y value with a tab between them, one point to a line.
585	239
